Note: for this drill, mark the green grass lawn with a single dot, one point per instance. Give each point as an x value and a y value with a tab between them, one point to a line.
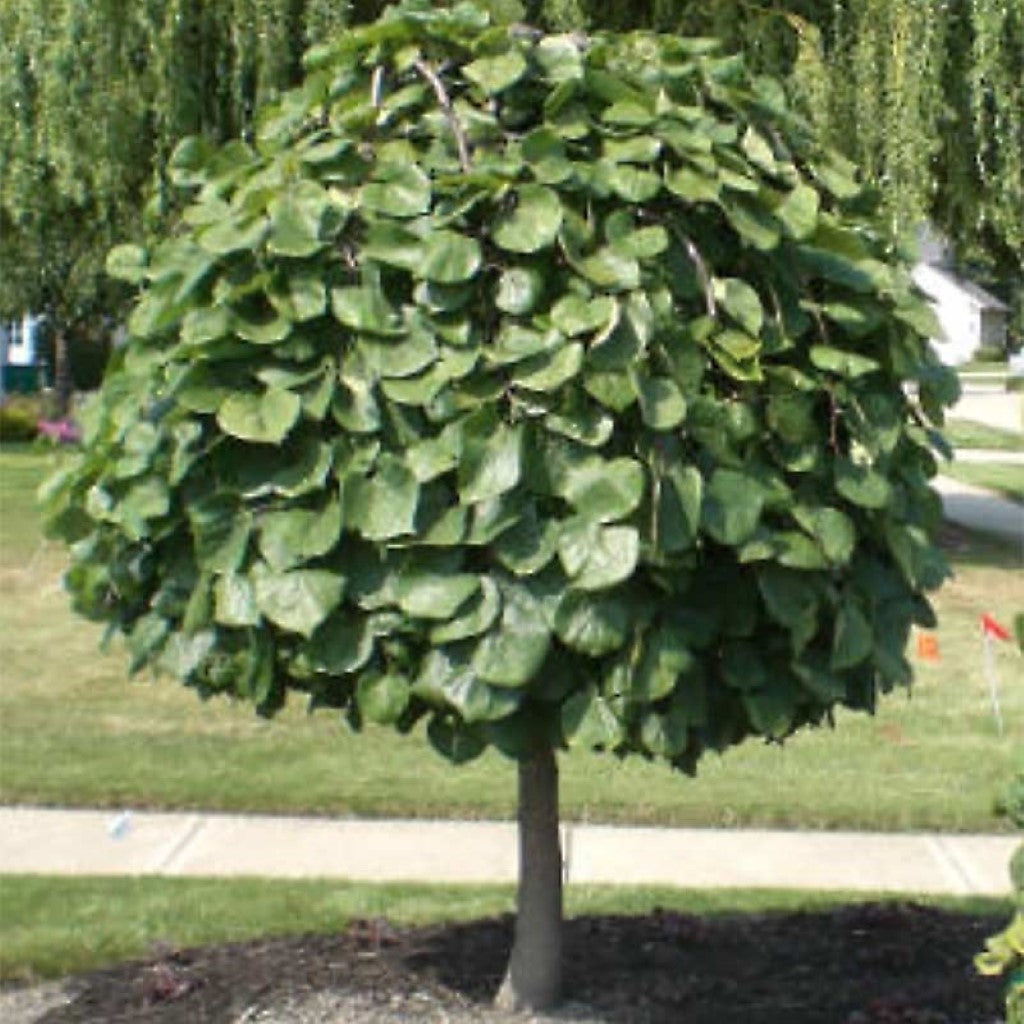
1003	478
76	731
968	434
52	926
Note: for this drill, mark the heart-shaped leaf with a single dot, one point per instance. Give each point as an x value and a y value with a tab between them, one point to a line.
533	223
264	418
297	601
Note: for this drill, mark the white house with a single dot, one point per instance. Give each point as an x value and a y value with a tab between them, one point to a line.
969	317
19	355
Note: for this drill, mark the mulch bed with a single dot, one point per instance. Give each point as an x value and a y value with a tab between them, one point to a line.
861	964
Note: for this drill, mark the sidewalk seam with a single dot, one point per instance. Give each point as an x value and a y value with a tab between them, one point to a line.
951	865
166	865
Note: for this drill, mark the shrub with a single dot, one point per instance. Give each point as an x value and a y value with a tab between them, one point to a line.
18	418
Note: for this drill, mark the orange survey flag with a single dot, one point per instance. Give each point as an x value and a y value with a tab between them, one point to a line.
927	647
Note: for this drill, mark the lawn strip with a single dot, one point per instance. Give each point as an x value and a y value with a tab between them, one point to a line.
55	926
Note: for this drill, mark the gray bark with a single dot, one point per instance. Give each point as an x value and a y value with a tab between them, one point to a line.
533	980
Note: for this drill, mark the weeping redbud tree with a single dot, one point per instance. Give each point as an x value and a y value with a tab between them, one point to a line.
555	392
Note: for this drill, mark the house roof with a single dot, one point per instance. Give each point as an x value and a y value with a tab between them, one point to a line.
978	295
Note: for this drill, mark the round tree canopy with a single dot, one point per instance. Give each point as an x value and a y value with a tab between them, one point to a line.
519	383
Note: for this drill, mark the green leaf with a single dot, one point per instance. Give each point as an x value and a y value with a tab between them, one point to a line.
264	419
680	493
732	507
752	222
630	112
643	243
220	531
846	364
364	309
833	530
235	234
666	735
432	595
297	601
633	184
611	268
666	655
343	643
611	558
205	324
852	641
592	625
771	711
447	680
519	290
741	302
182	654
515	343
435	456
492	459
458	742
533	223
638	149
798	212
391	243
512	654
790	596
528	547
497	73
382	699
295	218
293	536
662	405
477	618
390	358
383	506
560	57
127	263
303	297
449	258
265	327
614	390
397	190
588	721
861	484
235	601
603	490
573	314
692	186
550	371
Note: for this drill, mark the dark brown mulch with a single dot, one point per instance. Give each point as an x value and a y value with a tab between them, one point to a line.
860	964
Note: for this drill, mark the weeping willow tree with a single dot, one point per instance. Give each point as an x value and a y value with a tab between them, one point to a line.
925	95
94	95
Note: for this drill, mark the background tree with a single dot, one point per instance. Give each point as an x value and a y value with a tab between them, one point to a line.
925	96
548	390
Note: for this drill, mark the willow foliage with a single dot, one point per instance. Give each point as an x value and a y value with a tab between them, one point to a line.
925	95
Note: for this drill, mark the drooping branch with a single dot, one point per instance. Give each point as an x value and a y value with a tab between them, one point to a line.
445	102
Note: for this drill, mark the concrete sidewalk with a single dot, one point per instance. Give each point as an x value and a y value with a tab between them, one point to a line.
980	509
86	842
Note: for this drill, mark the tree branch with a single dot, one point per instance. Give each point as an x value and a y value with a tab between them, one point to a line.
376	86
449	112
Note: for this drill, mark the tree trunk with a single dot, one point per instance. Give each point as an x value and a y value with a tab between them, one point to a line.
533	980
63	386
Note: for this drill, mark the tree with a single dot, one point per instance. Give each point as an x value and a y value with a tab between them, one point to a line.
546	389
